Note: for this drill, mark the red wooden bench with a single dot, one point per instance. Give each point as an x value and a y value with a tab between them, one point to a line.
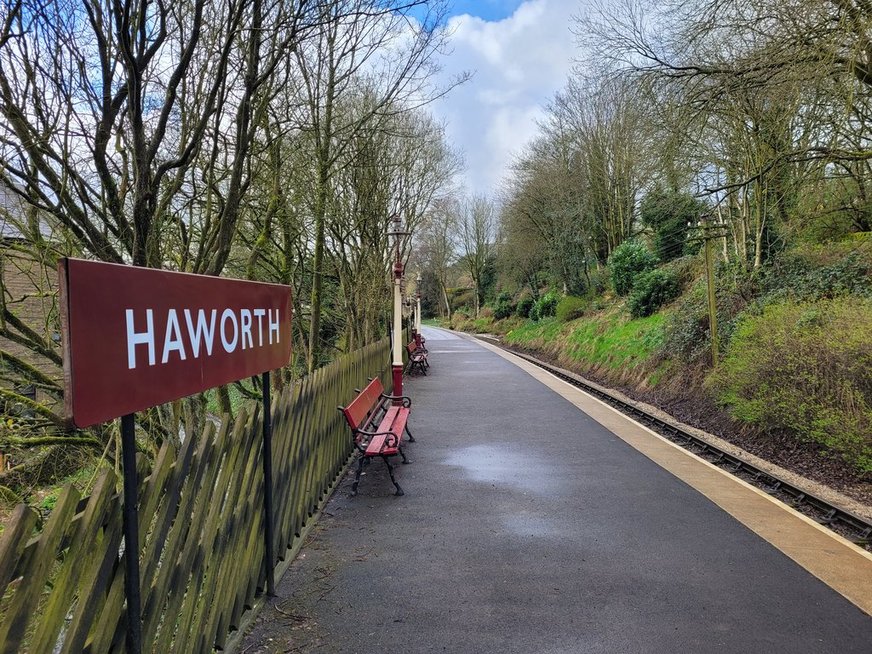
417	358
377	424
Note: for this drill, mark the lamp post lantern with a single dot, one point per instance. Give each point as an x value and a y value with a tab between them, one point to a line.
396	231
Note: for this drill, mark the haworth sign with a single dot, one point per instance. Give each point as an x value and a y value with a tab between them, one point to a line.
138	337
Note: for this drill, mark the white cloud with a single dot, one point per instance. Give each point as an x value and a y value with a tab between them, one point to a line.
518	63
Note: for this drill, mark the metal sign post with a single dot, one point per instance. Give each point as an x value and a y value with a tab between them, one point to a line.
269	553
130	518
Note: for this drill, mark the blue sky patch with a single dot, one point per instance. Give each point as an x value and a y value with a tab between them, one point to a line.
486	9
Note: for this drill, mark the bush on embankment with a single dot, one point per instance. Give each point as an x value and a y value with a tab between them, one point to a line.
651	290
629	260
806	368
545	306
524	306
571	308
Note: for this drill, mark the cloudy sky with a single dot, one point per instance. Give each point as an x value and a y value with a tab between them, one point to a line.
520	54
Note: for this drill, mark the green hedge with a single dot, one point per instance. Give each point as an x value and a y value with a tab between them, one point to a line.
503	308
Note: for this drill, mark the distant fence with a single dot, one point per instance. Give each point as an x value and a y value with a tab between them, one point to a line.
201	525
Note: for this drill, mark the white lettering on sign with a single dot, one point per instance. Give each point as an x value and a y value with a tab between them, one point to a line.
207	333
236	330
259	314
135	338
245	326
229	345
273	326
173	338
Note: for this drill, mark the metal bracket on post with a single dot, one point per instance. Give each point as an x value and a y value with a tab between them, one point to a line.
269	553
130	518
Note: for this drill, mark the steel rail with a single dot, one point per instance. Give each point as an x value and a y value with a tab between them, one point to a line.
847	524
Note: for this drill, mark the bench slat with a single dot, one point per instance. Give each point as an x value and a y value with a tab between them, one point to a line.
358	411
377	447
394	420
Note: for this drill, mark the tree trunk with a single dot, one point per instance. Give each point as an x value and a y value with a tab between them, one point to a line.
444	290
317	274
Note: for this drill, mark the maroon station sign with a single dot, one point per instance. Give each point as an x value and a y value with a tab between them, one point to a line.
138	337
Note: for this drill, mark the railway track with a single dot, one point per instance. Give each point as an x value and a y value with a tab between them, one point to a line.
847	524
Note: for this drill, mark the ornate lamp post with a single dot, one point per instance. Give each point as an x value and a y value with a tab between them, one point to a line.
409	312
396	231
418	311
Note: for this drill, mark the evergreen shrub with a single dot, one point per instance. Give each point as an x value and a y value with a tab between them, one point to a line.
524	306
504	307
545	306
668	213
628	260
651	290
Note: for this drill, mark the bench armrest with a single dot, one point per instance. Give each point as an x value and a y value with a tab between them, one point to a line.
407	401
388	441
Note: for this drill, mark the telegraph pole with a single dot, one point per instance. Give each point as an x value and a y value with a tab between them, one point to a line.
712	306
710	232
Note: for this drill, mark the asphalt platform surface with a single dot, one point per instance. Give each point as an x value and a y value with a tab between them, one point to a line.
527	527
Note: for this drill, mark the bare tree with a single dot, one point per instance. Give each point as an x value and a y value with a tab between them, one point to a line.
437	249
542	207
770	98
399	168
575	189
609	135
107	107
205	137
127	131
396	55
478	223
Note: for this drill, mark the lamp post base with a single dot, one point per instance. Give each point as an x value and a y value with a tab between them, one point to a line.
397	373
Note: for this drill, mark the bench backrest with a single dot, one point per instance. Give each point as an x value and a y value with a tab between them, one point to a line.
357	412
411	347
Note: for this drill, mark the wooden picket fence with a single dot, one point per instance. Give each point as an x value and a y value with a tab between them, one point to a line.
201	529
